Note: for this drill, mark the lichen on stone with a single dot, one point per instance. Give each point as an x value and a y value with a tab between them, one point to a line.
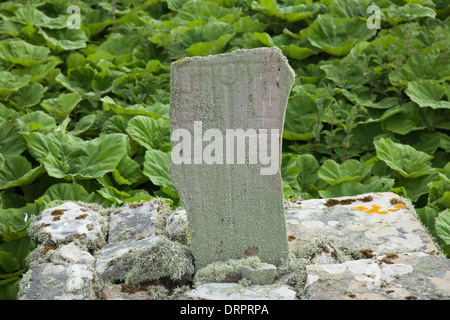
158	292
163	259
227	271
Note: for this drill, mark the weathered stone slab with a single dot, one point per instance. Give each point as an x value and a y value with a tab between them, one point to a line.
68	253
393	276
108	259
234	291
50	281
259	273
148	259
124	292
176	226
134	221
67	223
376	222
233	195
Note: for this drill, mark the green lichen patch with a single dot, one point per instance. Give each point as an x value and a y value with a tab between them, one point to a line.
162	259
227	271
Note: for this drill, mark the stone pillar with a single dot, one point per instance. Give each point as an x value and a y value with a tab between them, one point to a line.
227	115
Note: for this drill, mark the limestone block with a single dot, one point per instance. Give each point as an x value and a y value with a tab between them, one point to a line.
234	291
50	281
133	221
260	273
392	276
376	222
70	222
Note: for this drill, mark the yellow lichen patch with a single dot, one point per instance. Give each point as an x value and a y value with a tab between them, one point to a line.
375	209
399	205
179	60
393	210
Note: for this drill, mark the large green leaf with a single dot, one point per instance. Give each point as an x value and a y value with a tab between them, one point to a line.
28	96
157	110
67	191
350	170
427	93
156	168
291	13
2	161
59	40
128	172
289	49
65	156
443	226
13	225
19	249
33	121
8	263
150	133
395	14
29	15
308	177
416	187
18	171
404	159
353	188
289	171
349	8
37	72
10	83
83	125
423	67
198	9
207	39
11	142
118	45
301	113
337	36
23	53
95	21
62	106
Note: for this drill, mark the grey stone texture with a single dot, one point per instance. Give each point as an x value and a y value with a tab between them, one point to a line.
133	221
234	291
70	222
109	258
410	276
50	281
233	210
324	267
380	222
260	273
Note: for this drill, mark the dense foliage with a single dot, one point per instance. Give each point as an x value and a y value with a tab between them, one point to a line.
84	112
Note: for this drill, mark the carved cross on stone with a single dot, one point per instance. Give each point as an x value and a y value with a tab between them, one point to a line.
227	115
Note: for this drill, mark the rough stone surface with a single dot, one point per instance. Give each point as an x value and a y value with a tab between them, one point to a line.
234	291
72	254
69	222
380	222
393	276
260	273
176	226
122	292
108	259
234	211
50	281
60	270
133	221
